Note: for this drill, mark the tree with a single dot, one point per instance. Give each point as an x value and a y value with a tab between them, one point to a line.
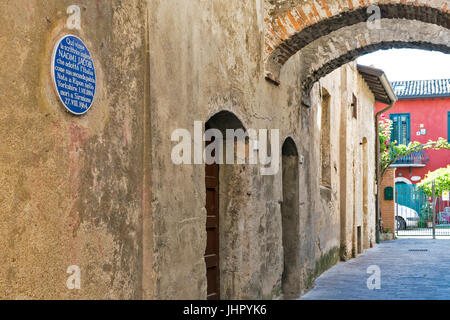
390	151
441	179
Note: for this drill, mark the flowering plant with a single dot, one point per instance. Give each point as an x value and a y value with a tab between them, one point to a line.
391	151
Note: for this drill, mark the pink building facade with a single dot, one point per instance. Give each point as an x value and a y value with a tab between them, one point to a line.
422	113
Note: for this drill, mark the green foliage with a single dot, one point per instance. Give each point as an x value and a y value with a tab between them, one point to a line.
441	179
422	223
384	132
426	215
390	151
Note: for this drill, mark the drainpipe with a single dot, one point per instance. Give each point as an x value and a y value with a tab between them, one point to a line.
378	171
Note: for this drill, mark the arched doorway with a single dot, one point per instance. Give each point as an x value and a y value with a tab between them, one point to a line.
219	178
290	220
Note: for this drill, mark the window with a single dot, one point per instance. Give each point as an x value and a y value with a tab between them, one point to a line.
355	107
325	145
401	128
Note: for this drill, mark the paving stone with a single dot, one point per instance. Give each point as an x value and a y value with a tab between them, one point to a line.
405	274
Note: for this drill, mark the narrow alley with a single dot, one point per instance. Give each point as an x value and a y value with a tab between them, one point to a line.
412	269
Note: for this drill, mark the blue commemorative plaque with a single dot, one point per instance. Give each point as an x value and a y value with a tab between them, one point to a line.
74	74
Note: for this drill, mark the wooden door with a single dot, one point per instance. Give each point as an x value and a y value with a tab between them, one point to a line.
212	231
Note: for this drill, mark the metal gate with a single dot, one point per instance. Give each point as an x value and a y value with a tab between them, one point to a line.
419	215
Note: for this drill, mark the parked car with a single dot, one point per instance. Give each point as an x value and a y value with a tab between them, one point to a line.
406	217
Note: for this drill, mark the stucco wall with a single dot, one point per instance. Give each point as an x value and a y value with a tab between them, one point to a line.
100	191
211	60
348	136
71	186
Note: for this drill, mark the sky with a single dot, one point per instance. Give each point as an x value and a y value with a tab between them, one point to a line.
409	64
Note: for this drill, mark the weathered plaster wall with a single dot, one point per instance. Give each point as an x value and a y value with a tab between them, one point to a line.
211	60
347	162
71	187
100	191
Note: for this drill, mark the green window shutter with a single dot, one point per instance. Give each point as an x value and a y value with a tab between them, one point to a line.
403	132
406	130
394	133
401	128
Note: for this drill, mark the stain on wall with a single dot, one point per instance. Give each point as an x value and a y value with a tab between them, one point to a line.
100	191
71	186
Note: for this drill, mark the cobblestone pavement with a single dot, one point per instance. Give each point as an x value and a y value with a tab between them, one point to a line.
405	274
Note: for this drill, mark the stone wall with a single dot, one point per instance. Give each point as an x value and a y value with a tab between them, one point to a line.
212	60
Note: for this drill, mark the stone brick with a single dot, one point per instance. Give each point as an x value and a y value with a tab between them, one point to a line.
387	207
294	29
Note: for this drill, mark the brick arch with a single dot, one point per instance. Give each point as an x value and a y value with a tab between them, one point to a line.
328	53
351	55
294	29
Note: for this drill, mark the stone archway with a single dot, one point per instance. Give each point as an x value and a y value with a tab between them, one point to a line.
331	33
290	220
